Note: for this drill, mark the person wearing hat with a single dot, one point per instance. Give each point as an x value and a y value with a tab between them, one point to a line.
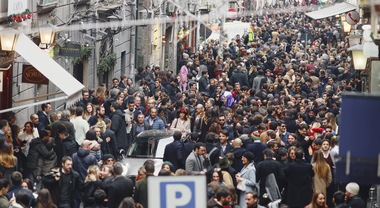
182	122
256	147
246	178
108	159
352	198
226	171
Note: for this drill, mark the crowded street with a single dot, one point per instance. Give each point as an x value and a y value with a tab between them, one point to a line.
169	104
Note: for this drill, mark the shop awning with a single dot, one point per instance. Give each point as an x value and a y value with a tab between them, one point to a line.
51	70
338	8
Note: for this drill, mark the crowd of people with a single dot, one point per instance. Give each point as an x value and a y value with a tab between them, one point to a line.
264	111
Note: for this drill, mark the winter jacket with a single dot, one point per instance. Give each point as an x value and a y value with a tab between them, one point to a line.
65	147
55	187
82	159
38	149
158	123
118	126
238	154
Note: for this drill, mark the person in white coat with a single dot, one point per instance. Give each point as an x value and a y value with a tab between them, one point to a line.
246	178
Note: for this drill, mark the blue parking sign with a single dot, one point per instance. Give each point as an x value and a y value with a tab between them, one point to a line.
177	192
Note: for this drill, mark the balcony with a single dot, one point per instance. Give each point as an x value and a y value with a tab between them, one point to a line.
79	2
44	6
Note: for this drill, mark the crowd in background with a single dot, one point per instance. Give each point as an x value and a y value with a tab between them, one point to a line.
263	109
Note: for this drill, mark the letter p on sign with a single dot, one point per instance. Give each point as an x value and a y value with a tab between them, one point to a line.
177	192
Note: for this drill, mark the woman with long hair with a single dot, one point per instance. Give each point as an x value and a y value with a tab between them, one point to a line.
26	136
182	122
8	162
217	176
93	174
323	177
44	199
318	200
88	111
101	93
331	120
292	153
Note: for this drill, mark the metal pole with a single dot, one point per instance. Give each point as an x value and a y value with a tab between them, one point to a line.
175	40
197	42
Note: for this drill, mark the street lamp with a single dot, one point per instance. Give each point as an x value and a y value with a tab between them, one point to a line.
354	40
192	6
360	61
345	25
8	39
114	24
47	34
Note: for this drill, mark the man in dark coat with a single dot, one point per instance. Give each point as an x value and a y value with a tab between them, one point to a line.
240	77
99	116
203	81
238	152
65	120
256	147
174	152
65	185
192	139
118	126
43	115
16	179
263	169
65	145
212	151
38	150
109	145
120	188
352	198
82	159
300	175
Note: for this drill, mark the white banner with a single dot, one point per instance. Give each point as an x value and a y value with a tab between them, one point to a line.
17	6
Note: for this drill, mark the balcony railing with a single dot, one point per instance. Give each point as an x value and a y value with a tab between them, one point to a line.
81	1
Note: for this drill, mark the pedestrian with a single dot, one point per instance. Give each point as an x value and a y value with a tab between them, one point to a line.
318	200
118	126
300	175
352	198
174	152
120	188
246	178
64	185
153	121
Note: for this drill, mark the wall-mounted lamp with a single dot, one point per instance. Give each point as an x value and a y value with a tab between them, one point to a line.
8	39
354	40
114	22
360	61
47	33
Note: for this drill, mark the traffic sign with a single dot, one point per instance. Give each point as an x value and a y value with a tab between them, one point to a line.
177	192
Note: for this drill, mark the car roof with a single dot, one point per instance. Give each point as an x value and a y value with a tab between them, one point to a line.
158	134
